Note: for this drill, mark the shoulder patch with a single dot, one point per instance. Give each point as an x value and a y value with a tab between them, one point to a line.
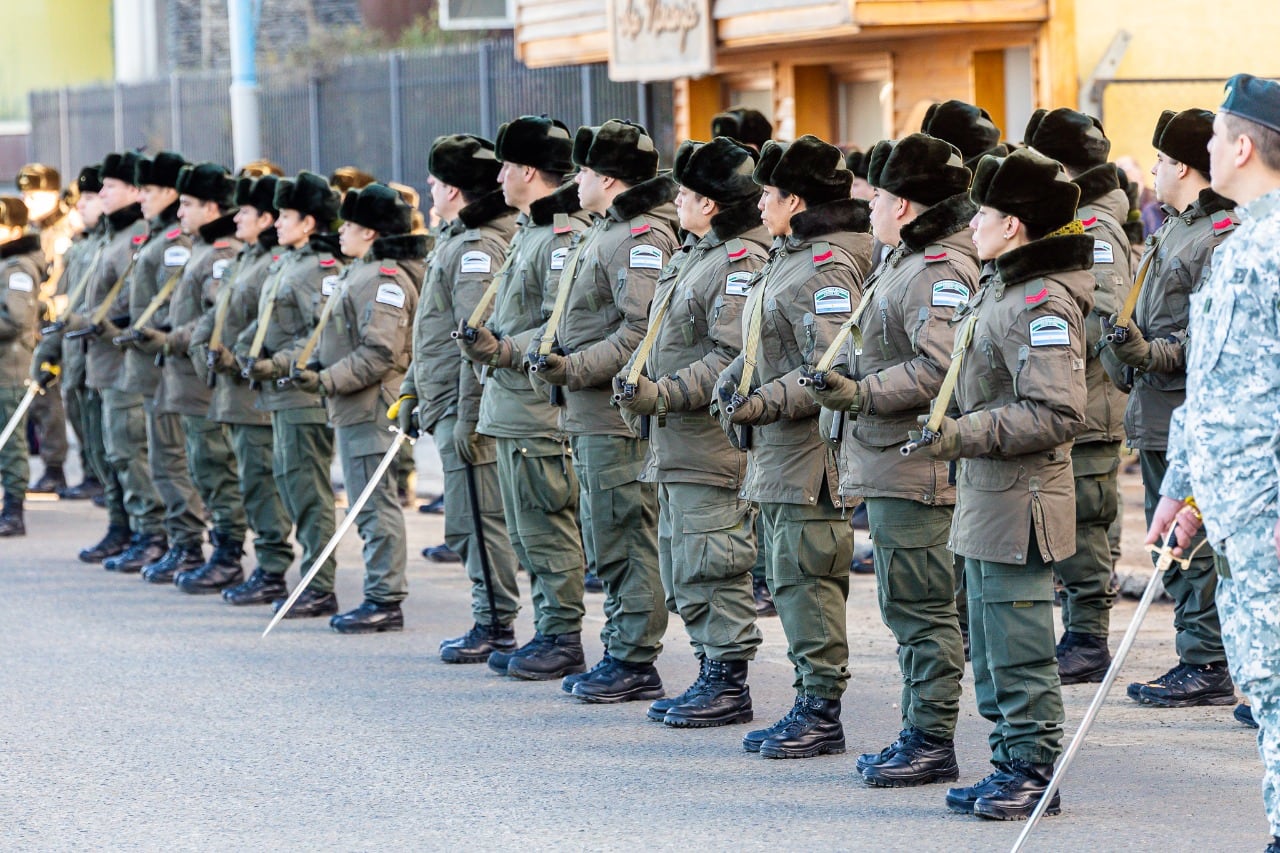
176	256
328	285
391	294
21	281
558	257
471	235
950	293
832	300
475	262
326	263
139	239
1035	298
1050	331
221	244
389	270
736	248
646	257
822	254
275	258
935	254
220	267
1103	252
1224	225
738	283
174	234
561	224
1088	219
639	226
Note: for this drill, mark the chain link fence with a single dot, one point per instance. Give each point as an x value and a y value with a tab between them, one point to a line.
379	113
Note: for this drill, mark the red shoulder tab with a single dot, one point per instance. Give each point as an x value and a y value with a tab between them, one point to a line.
1090	222
564	229
824	257
1033	298
174	234
329	262
931	259
740	253
275	258
139	239
221	244
388	270
1223	224
637	230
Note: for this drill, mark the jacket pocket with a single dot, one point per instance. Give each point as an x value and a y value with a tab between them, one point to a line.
990	475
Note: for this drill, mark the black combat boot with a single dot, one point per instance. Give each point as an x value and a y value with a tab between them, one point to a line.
723	700
751	741
571	680
620	682
222	570
869	758
1244	715
658	710
371	617
51	482
144	548
556	656
476	645
814	730
441	554
1082	658
312	603
591	582
260	588
500	659
11	520
1191	686
115	542
88	489
764	598
1016	796
179	558
921	759
962	799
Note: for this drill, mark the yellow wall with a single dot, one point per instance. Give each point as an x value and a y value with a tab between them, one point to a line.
1172	39
50	44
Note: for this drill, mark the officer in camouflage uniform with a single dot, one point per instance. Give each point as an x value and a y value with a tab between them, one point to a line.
706	532
205	193
284	326
600	315
366	343
1222	439
140	540
1078	142
159	265
234	402
22	271
922	209
1153	355
1020	393
820	255
445	390
539	489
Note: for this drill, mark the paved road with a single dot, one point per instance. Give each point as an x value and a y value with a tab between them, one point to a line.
137	717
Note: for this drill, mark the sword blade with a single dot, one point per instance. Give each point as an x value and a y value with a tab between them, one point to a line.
23	405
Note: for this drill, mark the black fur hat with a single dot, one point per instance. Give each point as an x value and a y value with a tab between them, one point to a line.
310	195
617	149
1028	185
1185	137
744	124
919	168
13	212
808	167
378	207
1074	139
967	127
857	161
160	171
537	141
207	182
260	194
90	179
719	169
122	167
463	161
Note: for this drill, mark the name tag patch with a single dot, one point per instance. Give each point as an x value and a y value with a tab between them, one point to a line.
1050	331
950	293
646	258
220	267
558	257
176	256
329	285
832	300
738	283
21	281
1103	252
390	294
475	262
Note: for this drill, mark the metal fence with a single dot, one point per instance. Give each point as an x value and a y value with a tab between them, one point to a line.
379	113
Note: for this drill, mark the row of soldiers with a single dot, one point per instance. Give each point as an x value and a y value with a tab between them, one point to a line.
658	376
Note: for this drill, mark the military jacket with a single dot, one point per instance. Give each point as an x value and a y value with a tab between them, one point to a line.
1178	256
703	290
1021	396
367	342
126	231
509	406
459	273
907	341
22	271
79	260
616	263
802	295
184	388
160	259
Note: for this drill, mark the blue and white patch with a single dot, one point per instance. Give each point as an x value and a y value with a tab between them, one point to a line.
475	262
558	257
949	293
220	267
1050	331
738	283
390	294
176	256
1103	252
21	281
646	258
832	300
329	285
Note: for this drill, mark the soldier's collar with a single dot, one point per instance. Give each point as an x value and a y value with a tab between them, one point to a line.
223	226
945	218
25	244
484	210
734	220
563	200
642	198
124	217
1262	206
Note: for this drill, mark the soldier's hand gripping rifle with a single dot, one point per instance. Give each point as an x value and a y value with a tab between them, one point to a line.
931	430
